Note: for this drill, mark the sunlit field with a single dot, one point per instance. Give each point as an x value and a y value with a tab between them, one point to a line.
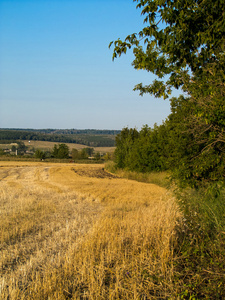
78	232
48	146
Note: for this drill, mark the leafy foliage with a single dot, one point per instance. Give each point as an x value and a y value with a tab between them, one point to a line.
194	152
183	46
180	38
142	151
61	151
197	140
39	154
89	137
82	154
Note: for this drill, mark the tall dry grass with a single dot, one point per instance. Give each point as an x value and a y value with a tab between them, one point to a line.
67	236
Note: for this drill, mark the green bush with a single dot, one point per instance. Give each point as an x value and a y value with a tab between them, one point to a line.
200	251
39	154
110	166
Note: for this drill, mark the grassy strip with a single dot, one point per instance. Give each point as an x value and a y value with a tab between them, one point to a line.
160	178
50	160
200	265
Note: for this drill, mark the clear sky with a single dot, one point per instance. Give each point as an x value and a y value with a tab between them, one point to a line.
56	70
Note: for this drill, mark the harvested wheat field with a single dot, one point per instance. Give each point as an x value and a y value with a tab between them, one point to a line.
77	232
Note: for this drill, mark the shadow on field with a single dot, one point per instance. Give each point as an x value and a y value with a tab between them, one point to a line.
96	173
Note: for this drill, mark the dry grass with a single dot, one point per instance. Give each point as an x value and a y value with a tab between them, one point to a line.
159	178
74	232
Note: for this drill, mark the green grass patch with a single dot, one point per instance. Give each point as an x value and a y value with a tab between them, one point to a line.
200	254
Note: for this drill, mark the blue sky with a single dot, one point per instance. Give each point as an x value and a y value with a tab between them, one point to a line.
56	70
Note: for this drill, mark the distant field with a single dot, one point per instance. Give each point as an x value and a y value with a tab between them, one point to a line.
43	145
79	232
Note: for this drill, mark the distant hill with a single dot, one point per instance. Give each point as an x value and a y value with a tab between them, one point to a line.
88	137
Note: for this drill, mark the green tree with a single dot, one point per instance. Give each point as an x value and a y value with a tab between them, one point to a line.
39	154
89	151
143	151
55	151
83	154
61	151
183	41
196	136
124	143
21	148
180	39
75	154
97	156
107	156
13	148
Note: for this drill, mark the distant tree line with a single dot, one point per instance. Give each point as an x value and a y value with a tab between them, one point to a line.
87	137
67	131
61	151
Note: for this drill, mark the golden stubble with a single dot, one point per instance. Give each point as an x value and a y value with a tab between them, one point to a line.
75	231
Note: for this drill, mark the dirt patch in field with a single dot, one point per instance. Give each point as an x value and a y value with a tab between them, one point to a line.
95	173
